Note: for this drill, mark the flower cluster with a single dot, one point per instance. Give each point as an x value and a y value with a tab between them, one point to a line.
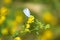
29	21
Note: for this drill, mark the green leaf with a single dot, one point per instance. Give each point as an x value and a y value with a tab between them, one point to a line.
47	26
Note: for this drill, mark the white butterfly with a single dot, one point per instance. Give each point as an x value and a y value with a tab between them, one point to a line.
26	12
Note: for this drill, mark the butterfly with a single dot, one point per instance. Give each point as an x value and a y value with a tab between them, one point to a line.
26	12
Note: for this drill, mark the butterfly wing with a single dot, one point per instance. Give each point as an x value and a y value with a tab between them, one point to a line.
26	12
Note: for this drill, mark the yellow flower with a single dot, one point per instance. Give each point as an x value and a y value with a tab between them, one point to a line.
48	34
4	31
19	19
49	18
30	19
17	38
2	19
27	25
7	1
4	11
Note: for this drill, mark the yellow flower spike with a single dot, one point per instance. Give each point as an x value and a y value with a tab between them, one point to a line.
4	11
30	19
2	19
7	1
17	38
4	31
27	25
19	19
